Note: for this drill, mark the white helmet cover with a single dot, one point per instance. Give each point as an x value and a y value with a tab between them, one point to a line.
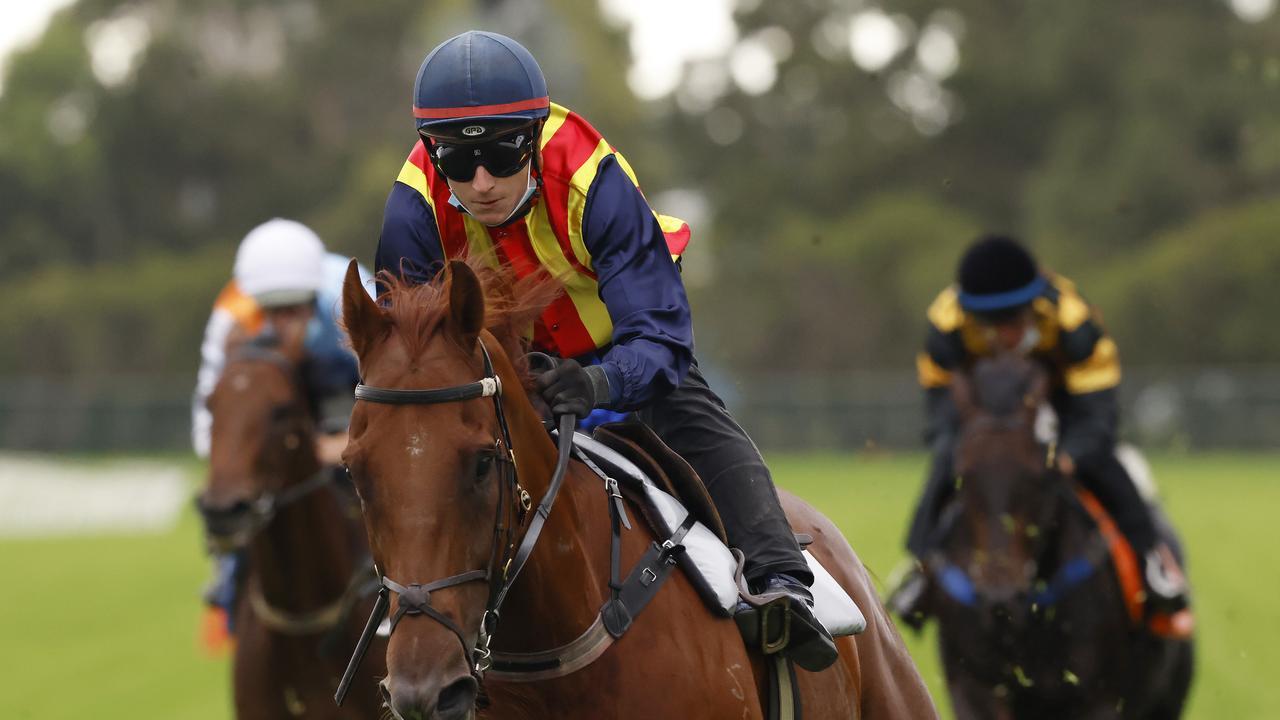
280	262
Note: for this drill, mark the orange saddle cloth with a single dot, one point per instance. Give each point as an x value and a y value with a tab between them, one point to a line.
1179	625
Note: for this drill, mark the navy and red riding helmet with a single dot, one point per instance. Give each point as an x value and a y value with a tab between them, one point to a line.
998	277
477	85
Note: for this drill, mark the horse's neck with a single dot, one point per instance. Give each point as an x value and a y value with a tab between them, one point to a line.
561	589
305	556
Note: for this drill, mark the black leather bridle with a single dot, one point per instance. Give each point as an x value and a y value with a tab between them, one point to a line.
505	559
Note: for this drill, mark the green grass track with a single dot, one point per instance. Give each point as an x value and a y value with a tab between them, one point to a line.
107	627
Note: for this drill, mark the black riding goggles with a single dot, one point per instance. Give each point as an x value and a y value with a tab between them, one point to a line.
502	156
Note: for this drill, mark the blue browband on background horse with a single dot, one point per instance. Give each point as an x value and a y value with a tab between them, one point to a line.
957	584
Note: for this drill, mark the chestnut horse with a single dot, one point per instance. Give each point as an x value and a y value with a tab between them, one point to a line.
441	496
306	591
1032	619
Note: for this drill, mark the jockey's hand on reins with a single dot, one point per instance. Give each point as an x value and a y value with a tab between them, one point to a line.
571	389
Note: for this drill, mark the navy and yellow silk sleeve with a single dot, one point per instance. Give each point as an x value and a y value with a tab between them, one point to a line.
1089	414
641	288
944	350
409	246
1088	426
1092	360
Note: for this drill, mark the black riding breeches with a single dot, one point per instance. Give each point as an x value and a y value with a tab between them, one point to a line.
694	423
1105	477
937	490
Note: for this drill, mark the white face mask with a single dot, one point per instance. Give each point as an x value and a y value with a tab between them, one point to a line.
1030	338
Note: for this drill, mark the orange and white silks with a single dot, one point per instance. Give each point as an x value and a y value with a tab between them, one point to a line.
243	310
550	235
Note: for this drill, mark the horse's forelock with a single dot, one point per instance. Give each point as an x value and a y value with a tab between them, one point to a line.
420	311
1003	383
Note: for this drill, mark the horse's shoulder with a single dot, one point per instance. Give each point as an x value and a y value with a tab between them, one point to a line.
830	547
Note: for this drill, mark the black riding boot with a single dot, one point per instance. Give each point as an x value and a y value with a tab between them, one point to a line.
694	423
909	584
1163	579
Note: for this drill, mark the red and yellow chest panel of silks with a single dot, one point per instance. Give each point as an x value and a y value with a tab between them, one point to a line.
549	236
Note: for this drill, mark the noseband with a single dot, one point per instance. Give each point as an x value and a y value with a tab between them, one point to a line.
505	559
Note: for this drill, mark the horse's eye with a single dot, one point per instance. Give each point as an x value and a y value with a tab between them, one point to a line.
484	463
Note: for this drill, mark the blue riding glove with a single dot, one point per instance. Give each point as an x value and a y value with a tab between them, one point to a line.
570	388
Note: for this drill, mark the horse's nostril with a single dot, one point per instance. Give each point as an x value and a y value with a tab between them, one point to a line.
457	700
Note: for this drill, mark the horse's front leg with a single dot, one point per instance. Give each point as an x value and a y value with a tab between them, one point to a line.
1108	709
255	678
973	700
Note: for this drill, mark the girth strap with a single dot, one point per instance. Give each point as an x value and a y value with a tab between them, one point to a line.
644	581
784	700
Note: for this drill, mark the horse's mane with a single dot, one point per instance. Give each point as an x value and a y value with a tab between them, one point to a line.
511	305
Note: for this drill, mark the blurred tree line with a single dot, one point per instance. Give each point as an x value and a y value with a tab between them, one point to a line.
1136	146
845	153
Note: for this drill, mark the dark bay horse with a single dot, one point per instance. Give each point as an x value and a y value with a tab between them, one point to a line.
442	503
1033	621
301	604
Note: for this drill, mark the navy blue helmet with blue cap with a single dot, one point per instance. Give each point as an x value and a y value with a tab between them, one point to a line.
477	85
998	277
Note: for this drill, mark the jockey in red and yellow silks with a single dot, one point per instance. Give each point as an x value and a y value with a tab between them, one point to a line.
503	173
551	235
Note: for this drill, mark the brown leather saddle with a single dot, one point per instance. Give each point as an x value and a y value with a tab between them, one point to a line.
639	444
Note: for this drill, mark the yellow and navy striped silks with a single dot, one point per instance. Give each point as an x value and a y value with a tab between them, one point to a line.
1071	343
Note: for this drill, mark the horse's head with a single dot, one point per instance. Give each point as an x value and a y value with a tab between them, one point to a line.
262	436
435	477
1005	498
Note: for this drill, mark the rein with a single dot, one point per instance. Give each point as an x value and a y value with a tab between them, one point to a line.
505	559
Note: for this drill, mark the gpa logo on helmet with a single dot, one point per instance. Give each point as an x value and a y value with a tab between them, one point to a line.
473	130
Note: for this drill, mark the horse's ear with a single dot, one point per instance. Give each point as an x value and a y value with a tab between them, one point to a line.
366	323
466	303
